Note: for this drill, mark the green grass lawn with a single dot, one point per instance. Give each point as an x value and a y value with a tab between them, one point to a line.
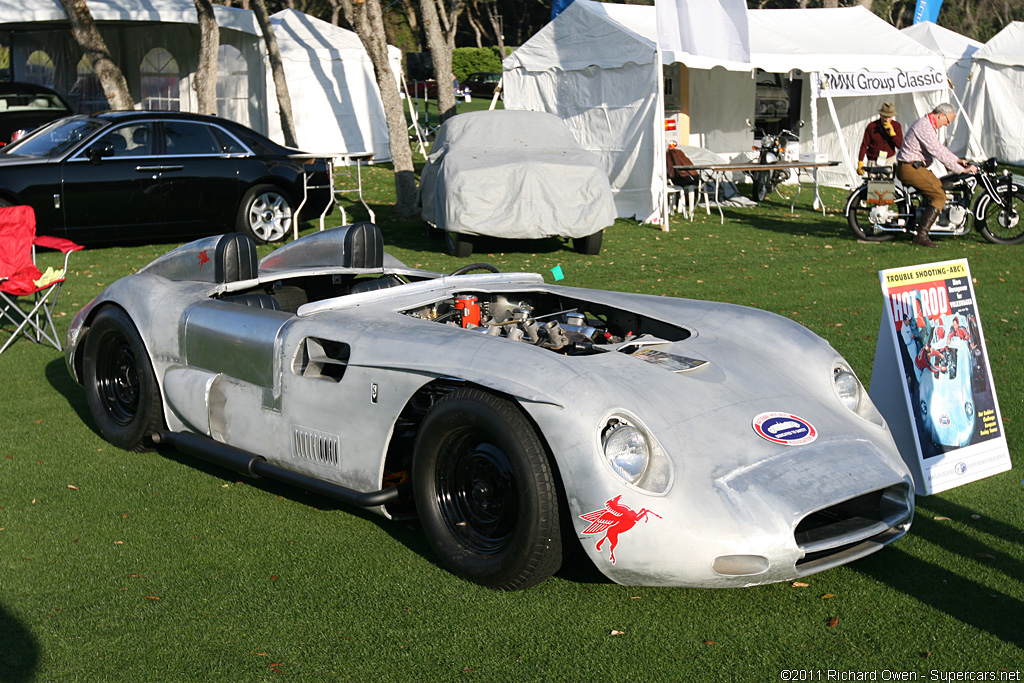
117	566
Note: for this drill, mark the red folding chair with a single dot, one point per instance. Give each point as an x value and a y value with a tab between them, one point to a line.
20	278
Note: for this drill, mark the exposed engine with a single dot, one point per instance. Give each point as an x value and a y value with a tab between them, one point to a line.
571	331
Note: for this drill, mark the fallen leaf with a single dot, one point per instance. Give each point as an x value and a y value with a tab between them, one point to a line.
137	576
118	542
467	670
826	596
33	501
833	622
799	584
985	556
617	633
941	519
150	597
975	516
710	642
72	487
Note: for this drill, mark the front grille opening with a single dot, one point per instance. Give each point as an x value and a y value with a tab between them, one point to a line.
840	528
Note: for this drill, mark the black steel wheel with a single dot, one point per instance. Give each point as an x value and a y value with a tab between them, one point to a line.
120	386
589	245
858	216
457	245
1001	224
486	493
265	214
760	187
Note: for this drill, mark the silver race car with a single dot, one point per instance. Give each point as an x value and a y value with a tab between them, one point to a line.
507	414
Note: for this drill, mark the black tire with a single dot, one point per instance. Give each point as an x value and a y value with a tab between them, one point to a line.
589	245
486	493
265	214
120	386
456	245
997	224
491	268
857	216
760	187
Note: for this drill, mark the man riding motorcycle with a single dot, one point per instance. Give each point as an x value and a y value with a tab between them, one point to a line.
920	147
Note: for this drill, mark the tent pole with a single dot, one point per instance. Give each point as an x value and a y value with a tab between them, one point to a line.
659	140
972	137
842	140
815	86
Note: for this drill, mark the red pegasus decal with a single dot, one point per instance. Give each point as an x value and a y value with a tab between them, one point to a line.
614	519
203	259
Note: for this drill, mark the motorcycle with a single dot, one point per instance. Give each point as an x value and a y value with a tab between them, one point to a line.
771	151
882	208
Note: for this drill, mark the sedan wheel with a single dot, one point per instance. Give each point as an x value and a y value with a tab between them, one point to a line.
265	214
485	492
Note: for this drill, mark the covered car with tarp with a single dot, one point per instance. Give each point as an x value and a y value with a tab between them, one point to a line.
516	175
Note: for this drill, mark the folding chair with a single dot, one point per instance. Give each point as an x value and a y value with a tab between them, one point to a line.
20	277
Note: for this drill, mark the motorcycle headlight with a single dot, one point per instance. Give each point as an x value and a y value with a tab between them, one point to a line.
627	450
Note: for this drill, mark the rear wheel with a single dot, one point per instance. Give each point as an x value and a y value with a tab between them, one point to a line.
456	245
589	245
120	386
1001	224
265	214
486	493
865	218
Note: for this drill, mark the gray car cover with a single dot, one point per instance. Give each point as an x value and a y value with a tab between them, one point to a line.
514	174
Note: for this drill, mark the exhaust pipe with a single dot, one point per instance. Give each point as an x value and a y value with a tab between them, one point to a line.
250	464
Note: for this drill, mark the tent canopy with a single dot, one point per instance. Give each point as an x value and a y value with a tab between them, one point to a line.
992	100
956	50
598	67
336	102
162	11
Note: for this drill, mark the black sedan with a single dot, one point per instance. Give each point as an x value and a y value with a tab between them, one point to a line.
146	176
26	106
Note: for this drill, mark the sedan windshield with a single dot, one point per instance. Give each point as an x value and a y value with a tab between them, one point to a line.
55	139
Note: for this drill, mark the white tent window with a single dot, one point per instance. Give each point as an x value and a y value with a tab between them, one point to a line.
232	82
39	69
159	78
87	93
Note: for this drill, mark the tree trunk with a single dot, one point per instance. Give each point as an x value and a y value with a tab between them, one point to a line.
441	56
367	18
84	30
206	73
284	100
495	21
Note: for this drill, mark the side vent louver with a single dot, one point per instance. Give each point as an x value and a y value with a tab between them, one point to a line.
316	446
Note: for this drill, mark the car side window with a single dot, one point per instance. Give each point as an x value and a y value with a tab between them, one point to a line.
133	140
188	138
228	143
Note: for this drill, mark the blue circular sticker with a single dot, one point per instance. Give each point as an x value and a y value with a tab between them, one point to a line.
785	429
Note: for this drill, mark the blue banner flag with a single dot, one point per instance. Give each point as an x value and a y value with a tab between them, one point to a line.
927	10
557	6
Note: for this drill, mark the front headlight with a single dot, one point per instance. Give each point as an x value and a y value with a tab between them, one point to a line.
627	450
847	387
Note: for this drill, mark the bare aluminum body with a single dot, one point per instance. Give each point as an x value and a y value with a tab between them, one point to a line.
274	383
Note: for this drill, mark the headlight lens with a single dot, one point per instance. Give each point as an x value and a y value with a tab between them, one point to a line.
627	451
847	388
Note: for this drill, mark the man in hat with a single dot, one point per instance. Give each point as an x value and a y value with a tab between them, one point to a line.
921	147
882	138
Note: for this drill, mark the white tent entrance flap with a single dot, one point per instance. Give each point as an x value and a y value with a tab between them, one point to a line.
831	83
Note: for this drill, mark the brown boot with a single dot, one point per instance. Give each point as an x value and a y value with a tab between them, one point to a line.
928	217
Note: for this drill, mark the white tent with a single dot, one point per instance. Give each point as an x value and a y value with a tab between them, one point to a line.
336	103
993	99
156	44
598	67
956	50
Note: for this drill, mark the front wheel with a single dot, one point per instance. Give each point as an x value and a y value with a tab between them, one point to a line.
866	220
760	188
486	493
120	386
265	214
457	245
1001	224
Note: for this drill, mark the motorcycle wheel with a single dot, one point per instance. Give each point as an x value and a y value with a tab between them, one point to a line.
1001	224
760	189
858	213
